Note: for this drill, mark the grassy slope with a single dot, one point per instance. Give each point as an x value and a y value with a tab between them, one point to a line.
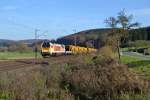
138	66
16	55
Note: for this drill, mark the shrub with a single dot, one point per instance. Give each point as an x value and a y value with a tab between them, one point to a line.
147	52
42	83
104	79
107	52
21	47
139	43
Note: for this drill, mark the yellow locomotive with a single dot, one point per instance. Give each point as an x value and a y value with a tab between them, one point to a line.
49	49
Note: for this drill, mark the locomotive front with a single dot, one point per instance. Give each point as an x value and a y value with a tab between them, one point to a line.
52	49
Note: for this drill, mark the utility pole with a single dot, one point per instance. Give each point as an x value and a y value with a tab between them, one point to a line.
36	42
36	48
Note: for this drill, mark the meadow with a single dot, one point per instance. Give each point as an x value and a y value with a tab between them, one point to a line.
142	67
17	55
94	77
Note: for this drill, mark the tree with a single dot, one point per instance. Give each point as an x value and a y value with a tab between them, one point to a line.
111	22
120	26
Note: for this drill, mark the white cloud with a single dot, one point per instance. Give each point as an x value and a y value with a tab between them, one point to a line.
8	8
141	12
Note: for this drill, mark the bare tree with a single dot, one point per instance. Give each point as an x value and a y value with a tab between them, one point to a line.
120	26
113	37
111	22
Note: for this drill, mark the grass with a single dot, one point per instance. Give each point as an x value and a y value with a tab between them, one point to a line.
129	59
142	67
124	49
129	48
40	83
47	82
16	55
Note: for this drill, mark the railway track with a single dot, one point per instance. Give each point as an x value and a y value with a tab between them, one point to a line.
29	63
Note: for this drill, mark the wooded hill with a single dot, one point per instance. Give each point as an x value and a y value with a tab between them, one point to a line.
97	37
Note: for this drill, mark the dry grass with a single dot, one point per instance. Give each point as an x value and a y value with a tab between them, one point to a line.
103	79
37	84
88	77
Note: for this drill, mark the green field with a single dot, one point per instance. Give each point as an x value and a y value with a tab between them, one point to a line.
129	59
17	55
142	67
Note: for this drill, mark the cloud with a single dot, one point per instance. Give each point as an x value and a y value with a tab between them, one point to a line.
8	8
141	12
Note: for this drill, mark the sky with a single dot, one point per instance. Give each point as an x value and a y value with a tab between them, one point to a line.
57	18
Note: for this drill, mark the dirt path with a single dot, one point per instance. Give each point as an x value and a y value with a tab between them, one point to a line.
11	65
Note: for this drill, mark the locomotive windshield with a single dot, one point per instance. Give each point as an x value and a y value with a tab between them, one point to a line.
45	45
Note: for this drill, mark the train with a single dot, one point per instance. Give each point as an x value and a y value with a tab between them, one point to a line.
53	49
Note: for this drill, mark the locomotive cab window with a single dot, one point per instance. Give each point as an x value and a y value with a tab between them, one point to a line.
46	45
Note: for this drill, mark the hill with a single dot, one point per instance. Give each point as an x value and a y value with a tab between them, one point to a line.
31	41
96	37
93	37
5	42
19	45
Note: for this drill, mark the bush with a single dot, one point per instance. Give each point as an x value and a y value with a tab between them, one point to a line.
147	51
37	84
102	80
139	43
107	52
21	47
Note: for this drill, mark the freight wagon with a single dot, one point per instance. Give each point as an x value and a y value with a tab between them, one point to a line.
53	49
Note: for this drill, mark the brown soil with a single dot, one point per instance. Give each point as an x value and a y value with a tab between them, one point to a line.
11	65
